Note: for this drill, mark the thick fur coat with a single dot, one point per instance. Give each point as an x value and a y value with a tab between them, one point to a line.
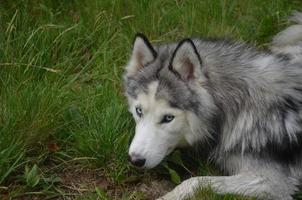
246	102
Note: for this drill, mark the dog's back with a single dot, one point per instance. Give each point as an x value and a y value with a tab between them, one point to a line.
289	41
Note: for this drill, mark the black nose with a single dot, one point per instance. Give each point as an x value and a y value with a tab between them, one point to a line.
137	162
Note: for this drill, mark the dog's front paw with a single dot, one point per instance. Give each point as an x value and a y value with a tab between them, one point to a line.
174	195
169	196
183	191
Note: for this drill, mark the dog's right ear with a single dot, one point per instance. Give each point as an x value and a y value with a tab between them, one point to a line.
142	54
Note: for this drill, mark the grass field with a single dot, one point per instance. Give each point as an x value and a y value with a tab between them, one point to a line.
64	126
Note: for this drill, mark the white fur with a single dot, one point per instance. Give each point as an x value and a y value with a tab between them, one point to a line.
289	36
153	140
264	61
256	179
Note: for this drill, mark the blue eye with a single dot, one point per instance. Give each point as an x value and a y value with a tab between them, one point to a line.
139	111
167	119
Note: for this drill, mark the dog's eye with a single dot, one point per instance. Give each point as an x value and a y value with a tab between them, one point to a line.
139	111
167	119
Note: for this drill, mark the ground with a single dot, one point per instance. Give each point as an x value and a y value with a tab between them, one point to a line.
64	125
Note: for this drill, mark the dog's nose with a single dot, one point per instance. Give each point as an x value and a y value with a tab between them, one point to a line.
137	162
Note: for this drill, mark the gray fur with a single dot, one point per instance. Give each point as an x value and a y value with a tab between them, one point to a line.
249	102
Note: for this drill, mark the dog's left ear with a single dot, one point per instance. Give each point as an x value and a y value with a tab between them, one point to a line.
142	54
185	61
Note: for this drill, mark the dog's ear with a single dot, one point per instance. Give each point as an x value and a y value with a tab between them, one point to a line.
142	54
185	61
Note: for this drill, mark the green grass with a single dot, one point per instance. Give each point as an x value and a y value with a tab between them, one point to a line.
61	98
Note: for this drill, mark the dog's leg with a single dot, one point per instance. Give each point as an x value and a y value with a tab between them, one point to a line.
243	184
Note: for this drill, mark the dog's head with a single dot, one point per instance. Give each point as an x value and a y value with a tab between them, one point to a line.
166	96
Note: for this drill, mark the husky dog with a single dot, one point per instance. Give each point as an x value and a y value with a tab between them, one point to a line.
246	102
